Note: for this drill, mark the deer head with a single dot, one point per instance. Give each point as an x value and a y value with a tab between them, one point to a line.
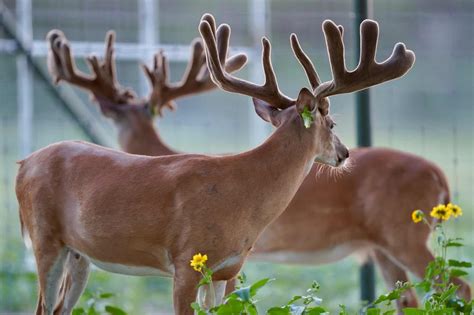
312	106
122	105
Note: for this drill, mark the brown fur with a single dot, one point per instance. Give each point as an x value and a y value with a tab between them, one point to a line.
127	209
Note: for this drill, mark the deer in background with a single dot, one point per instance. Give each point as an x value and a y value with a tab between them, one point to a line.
328	218
142	215
132	116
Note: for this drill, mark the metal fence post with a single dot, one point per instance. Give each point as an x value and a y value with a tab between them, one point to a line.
363	10
258	21
148	34
24	79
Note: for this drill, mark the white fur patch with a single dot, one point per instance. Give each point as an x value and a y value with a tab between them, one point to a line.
228	262
27	239
132	270
204	295
316	258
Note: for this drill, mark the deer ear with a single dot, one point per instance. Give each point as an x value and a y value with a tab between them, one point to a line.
305	105
305	101
267	112
323	106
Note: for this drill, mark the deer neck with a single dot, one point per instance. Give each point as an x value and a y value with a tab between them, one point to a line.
142	139
284	160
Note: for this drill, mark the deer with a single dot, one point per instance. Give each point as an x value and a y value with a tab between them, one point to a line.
333	215
133	117
144	215
324	191
285	240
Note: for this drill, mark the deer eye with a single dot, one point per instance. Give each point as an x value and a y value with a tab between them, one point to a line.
332	125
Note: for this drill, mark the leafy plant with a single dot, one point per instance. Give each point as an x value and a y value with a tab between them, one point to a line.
97	304
440	294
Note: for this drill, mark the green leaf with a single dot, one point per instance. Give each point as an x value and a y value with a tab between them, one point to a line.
316	311
106	295
459	264
391	296
251	309
203	281
453	244
413	311
389	312
92	311
343	310
294	299
199	311
285	310
79	311
307	117
247	293
242	293
450	292
231	307
425	285
254	288
444	311
457	273
457	304
373	311
113	310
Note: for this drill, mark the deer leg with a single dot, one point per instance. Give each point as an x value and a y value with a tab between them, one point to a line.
392	272
65	285
220	288
230	286
416	257
39	305
77	273
50	259
185	289
464	290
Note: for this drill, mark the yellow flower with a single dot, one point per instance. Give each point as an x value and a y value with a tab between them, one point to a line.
417	216
441	212
455	210
198	262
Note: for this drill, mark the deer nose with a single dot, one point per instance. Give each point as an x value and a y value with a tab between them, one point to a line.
346	153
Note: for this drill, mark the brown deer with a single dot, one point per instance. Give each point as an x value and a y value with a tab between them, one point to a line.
147	215
358	199
132	116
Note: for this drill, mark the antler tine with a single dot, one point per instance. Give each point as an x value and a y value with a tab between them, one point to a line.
102	84
61	64
368	72
267	92
196	78
109	64
305	62
196	62
222	35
